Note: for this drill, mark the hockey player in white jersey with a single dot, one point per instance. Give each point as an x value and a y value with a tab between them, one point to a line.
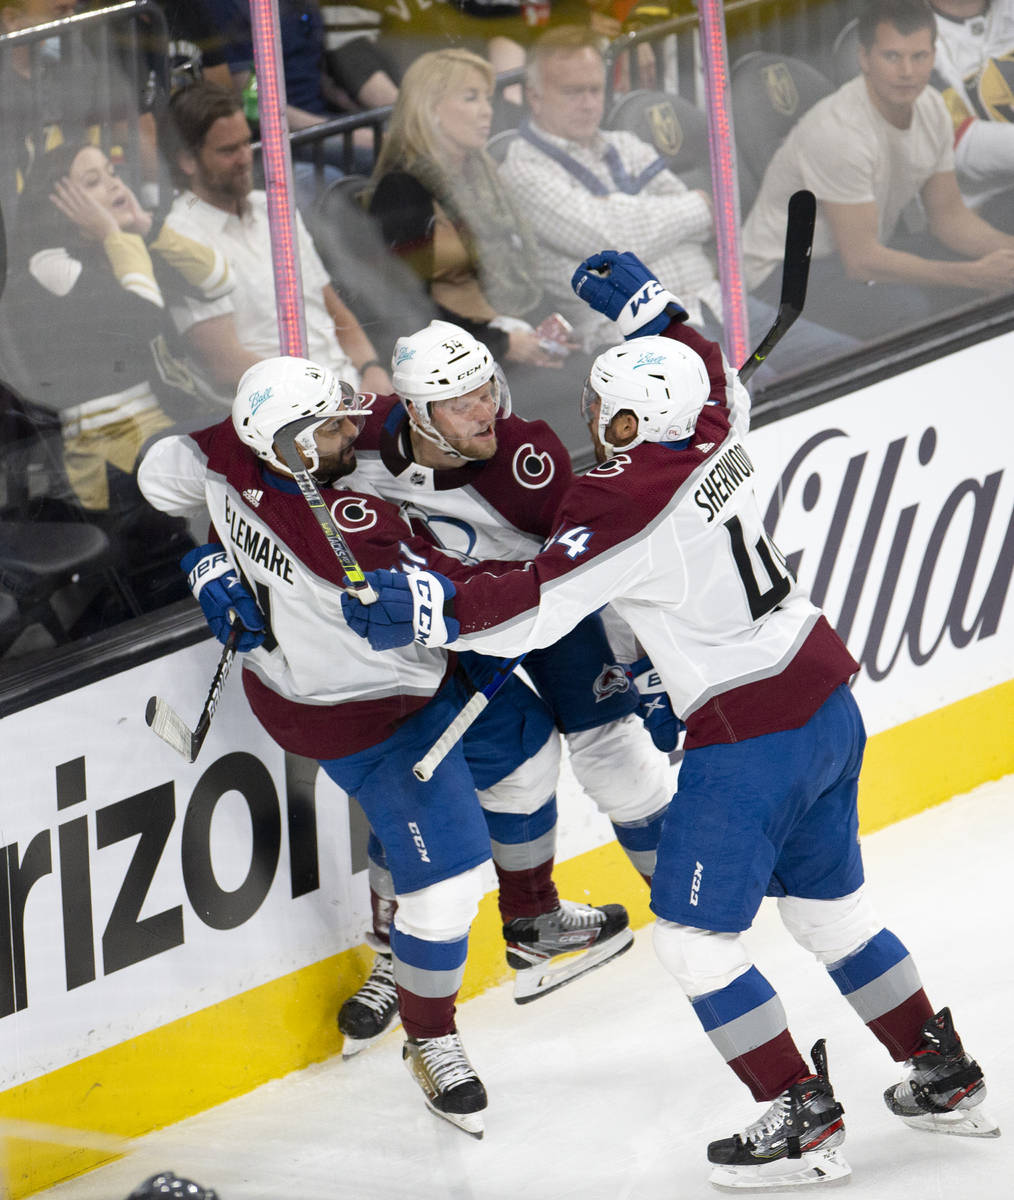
319	691
484	483
668	529
974	69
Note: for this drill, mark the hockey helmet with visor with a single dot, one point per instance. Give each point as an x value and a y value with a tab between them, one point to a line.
277	391
444	364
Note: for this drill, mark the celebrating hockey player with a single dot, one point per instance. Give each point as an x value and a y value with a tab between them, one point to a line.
484	483
668	529
321	692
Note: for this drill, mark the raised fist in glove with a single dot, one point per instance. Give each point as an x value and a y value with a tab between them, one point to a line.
408	608
623	288
655	707
222	596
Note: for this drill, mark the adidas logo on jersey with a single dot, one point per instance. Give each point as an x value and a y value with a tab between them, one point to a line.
253	496
705	447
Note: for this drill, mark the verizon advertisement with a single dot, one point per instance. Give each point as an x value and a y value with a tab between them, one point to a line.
143	888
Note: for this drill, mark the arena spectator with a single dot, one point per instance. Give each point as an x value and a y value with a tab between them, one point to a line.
975	72
581	186
93	274
442	207
867	151
219	205
48	94
309	102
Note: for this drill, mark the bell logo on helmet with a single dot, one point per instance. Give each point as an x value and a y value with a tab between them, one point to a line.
649	360
258	398
403	355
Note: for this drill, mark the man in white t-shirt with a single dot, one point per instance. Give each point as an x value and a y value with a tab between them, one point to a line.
975	73
219	206
878	147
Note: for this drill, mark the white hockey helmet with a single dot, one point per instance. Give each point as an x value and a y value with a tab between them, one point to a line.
438	363
662	382
276	391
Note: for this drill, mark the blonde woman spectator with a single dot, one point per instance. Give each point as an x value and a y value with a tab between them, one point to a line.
441	206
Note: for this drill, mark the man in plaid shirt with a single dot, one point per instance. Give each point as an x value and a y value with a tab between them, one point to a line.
580	185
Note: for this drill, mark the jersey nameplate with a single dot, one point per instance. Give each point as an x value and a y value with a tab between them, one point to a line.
732	468
256	545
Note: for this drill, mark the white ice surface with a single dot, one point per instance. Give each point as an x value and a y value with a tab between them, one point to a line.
609	1090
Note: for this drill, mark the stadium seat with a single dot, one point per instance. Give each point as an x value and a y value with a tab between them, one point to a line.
770	92
845	54
500	143
37	559
678	130
385	294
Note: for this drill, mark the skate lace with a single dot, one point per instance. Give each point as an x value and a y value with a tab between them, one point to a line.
378	990
578	916
762	1129
445	1061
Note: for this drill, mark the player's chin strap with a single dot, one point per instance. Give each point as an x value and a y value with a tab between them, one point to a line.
418	415
426	429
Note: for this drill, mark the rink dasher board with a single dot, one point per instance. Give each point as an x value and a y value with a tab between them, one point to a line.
198	923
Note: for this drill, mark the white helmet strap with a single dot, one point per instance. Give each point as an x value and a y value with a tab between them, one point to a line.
419	417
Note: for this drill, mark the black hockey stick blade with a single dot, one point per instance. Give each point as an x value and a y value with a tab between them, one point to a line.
170	726
802	213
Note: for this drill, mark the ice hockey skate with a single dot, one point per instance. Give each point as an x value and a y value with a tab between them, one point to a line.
793	1145
557	947
448	1080
372	1010
943	1089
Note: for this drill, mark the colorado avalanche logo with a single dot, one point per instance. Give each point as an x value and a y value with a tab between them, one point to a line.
612	681
532	469
612	466
353	515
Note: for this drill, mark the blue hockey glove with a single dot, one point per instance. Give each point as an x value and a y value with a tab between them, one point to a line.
408	608
655	708
623	288
214	582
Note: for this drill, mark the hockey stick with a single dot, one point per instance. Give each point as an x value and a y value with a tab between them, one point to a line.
171	727
286	440
424	768
795	273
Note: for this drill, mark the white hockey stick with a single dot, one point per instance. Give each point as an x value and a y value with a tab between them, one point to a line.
424	768
170	726
286	440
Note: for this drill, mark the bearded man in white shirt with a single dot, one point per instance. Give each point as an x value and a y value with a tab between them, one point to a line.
220	207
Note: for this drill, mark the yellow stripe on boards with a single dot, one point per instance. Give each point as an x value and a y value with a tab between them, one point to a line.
89	1107
924	762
